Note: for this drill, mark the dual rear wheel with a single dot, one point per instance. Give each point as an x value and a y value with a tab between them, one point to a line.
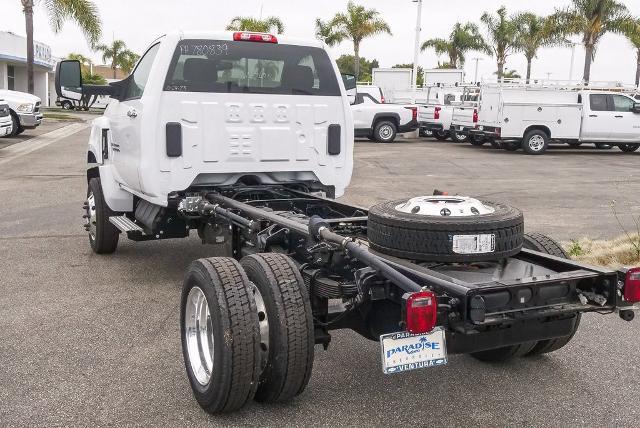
543	244
247	331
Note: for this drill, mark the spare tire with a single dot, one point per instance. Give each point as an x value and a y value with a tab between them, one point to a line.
445	229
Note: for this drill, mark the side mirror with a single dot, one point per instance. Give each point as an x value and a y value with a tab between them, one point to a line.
636	108
69	79
349	81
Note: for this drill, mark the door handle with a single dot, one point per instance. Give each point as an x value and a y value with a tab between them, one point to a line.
619	117
593	115
132	114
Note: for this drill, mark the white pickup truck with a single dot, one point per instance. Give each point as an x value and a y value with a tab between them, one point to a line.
6	124
24	110
246	138
381	122
435	118
530	117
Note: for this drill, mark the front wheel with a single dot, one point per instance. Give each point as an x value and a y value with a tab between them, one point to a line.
535	142
385	132
103	236
220	334
629	148
67	105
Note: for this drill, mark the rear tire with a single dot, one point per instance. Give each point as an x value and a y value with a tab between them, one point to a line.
544	244
288	350
629	148
220	335
458	138
510	146
103	236
441	135
385	132
499	355
535	142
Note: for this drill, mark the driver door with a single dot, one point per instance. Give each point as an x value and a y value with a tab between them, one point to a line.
126	123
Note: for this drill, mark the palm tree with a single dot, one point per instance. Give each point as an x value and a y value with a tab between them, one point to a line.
356	25
326	32
119	56
463	38
247	23
509	74
535	32
592	19
632	32
82	12
502	36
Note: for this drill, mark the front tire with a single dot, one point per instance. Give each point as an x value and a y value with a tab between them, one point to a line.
535	142
103	236
15	125
220	334
286	326
385	132
67	105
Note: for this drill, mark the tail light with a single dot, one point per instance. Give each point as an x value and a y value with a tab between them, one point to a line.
422	311
382	99
632	285
436	113
475	116
414	113
243	36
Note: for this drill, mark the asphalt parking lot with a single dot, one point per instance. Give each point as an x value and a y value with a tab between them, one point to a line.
87	339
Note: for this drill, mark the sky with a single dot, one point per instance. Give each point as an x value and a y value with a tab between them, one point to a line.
138	22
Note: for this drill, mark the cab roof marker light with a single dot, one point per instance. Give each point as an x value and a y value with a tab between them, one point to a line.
244	36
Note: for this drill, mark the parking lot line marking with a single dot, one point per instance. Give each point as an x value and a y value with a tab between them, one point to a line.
16	151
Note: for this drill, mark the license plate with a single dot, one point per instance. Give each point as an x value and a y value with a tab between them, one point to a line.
404	351
474	244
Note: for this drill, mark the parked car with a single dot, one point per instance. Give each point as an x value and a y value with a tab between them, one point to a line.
24	109
6	124
531	116
435	116
200	138
382	122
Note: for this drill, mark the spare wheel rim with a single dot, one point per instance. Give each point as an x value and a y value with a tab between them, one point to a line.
445	206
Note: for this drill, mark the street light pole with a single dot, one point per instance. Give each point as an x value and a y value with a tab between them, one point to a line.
416	50
475	76
573	54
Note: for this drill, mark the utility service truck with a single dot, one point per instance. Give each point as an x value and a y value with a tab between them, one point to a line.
530	116
246	139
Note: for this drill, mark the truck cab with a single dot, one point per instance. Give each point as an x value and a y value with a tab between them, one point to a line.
24	110
610	117
201	106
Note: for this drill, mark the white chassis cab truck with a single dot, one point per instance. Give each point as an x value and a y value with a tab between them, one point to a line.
530	116
6	123
246	138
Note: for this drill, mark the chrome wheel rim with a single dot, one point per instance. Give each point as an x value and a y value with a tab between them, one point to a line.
198	331
263	323
91	218
385	132
536	143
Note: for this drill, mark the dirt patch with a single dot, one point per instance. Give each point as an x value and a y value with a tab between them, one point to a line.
622	251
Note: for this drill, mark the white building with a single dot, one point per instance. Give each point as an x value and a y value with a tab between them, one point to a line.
13	67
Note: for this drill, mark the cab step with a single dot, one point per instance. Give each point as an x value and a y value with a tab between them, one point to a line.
125	224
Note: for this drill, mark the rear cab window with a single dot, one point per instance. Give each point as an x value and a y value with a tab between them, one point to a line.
222	66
